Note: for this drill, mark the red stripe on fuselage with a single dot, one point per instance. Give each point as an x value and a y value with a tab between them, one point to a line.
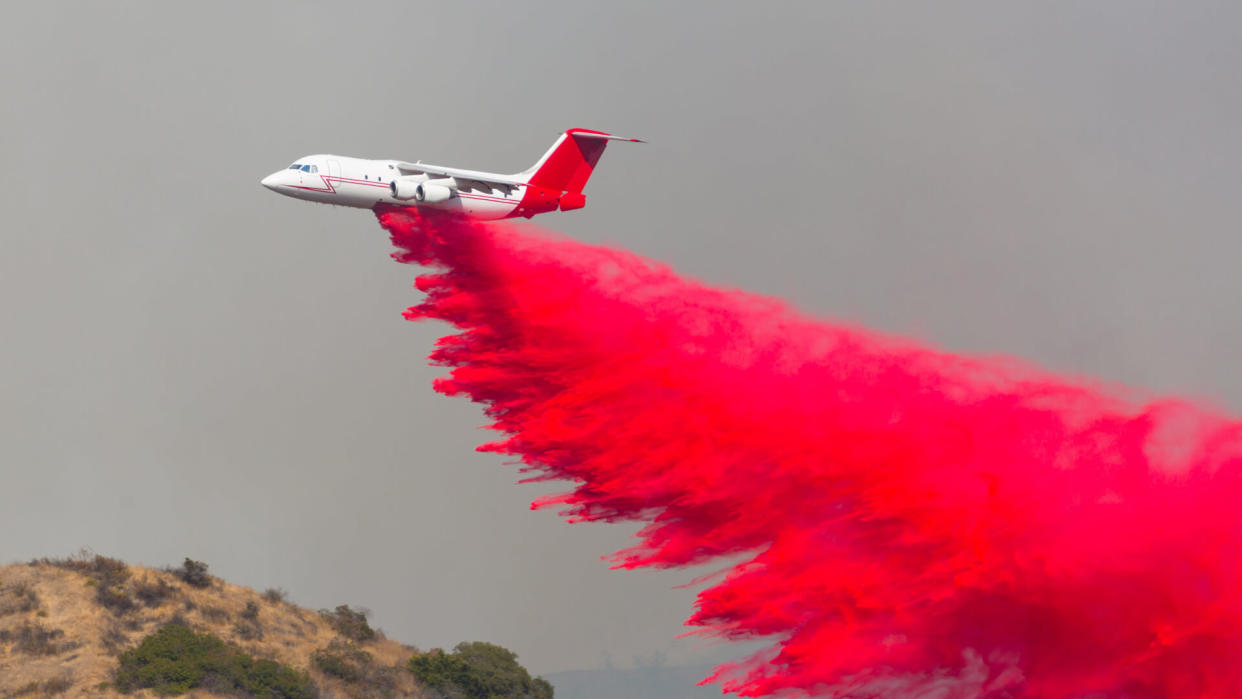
329	189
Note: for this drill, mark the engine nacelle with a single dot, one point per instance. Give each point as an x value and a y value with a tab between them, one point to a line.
406	187
572	200
433	191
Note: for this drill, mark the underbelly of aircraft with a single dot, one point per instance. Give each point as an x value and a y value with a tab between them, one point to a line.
366	194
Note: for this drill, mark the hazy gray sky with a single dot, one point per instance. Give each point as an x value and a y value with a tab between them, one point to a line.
193	365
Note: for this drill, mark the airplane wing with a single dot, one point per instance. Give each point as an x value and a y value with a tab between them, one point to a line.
466	179
489	181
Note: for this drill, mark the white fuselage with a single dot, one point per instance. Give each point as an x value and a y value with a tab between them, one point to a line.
344	181
553	183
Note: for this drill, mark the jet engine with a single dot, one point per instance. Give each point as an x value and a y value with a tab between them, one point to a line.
406	187
433	191
423	190
572	200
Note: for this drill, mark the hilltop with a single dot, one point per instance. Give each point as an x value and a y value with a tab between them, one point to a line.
68	626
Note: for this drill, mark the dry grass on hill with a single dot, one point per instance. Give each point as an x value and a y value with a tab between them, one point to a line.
64	623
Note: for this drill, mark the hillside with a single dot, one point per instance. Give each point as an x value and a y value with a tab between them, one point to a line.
65	627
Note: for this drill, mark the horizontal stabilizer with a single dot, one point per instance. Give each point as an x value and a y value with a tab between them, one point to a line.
605	136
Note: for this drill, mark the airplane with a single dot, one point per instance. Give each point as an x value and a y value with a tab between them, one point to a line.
554	182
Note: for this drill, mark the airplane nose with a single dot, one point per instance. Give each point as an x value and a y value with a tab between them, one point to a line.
270	181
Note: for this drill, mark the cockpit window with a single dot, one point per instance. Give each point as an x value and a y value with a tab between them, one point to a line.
306	168
314	169
296	166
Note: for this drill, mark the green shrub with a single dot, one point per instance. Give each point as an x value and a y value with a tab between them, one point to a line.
477	671
349	622
175	659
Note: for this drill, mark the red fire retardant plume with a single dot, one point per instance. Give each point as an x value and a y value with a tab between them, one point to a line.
911	523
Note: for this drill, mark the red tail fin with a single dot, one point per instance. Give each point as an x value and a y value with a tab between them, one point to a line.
569	163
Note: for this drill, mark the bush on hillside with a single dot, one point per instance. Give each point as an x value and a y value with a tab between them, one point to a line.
214	614
248	630
36	639
251	612
111	591
194	573
108	575
31	687
477	671
154	593
56	686
175	659
108	570
342	660
18	598
248	627
114	598
113	638
347	662
88	563
349	622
